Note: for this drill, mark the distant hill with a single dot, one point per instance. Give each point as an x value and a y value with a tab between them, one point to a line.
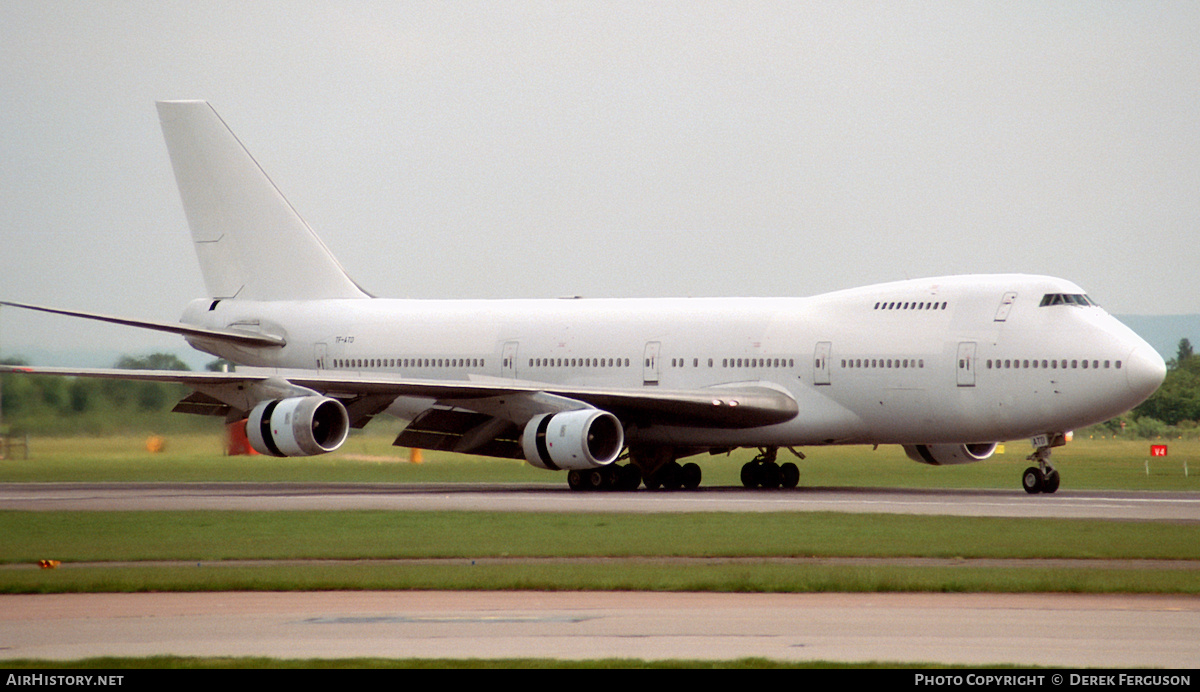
1163	332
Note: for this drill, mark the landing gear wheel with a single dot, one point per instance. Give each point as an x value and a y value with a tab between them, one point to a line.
599	479
671	475
1033	480
631	477
575	480
769	475
750	475
1050	484
789	475
690	475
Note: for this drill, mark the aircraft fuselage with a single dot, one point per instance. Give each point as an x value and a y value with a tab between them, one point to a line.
923	361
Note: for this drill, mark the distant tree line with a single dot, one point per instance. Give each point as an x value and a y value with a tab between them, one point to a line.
46	404
1177	401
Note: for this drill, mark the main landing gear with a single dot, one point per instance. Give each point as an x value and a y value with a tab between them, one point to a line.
764	472
656	467
1042	478
611	477
659	468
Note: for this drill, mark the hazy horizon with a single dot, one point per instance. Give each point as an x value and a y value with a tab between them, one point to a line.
617	149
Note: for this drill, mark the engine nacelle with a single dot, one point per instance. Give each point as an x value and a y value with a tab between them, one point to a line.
297	427
943	455
584	439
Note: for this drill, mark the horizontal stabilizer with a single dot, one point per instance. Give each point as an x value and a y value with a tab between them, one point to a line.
229	335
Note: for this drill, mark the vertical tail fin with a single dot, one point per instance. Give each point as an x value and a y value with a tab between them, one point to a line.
250	241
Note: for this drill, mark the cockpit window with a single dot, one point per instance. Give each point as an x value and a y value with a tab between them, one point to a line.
1066	299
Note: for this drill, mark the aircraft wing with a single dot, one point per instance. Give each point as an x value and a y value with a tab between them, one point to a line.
740	405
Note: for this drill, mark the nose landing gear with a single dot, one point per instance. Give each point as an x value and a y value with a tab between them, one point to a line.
1042	478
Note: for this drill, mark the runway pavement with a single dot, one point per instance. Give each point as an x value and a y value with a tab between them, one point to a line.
1153	506
1109	631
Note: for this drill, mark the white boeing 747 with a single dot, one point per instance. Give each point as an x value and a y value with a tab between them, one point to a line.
947	367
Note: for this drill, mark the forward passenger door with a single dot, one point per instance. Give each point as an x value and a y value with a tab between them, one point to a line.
821	362
966	364
650	363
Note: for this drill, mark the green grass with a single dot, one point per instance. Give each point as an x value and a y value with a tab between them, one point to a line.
762	577
369	457
343	535
497	550
359	540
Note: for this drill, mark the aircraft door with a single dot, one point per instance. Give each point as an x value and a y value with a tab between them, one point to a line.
322	351
508	360
650	363
821	362
966	364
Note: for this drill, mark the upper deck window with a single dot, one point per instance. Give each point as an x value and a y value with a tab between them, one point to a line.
1066	299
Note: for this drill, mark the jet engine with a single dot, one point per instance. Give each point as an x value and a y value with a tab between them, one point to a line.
573	440
297	427
941	455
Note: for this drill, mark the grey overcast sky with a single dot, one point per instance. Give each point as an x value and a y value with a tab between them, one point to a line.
540	149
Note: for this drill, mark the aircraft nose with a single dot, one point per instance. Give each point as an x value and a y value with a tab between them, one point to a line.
1145	370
